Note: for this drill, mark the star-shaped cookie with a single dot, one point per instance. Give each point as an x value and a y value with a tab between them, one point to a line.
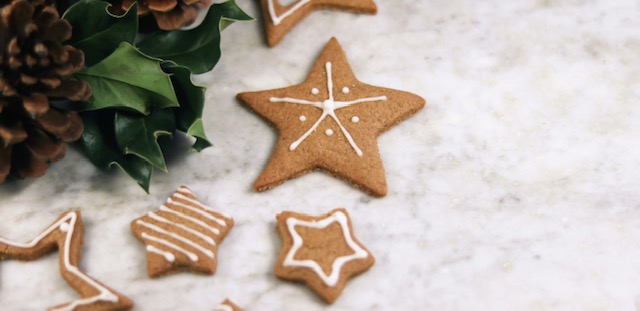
183	234
320	251
330	122
278	19
66	234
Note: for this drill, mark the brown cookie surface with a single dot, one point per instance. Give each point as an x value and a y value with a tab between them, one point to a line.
279	19
183	235
66	235
320	251
330	122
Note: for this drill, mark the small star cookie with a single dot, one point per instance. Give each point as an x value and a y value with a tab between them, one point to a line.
330	122
183	234
320	251
65	235
278	19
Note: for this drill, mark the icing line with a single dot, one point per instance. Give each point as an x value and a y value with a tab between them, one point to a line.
203	211
67	224
164	208
197	233
278	19
167	255
192	256
332	278
176	236
223	307
328	106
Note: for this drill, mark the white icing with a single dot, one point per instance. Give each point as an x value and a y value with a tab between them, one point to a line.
64	227
193	257
328	106
204	210
176	236
197	221
223	307
197	233
315	91
302	118
67	224
332	278
277	19
329	132
345	90
355	119
167	256
185	190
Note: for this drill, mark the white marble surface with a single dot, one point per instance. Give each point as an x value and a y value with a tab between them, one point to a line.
516	188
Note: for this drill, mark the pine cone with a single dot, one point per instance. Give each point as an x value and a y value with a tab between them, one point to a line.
169	14
35	67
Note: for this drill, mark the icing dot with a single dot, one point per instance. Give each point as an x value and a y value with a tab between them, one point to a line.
329	132
355	119
315	91
302	118
345	90
64	227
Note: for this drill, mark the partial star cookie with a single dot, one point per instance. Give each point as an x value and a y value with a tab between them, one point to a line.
330	122
183	234
66	235
228	305
320	251
279	19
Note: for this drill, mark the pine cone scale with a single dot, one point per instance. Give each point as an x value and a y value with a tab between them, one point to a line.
54	122
12	135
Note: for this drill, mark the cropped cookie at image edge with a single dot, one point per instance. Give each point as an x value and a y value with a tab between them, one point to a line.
279	19
66	235
330	122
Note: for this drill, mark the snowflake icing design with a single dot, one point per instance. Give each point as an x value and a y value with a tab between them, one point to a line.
329	107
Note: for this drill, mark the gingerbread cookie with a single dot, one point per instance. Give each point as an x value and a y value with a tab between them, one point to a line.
228	305
279	19
183	234
330	122
320	251
66	235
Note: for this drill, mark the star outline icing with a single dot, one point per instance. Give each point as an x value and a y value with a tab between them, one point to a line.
69	224
328	107
342	220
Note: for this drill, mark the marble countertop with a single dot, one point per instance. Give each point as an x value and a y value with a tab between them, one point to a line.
516	188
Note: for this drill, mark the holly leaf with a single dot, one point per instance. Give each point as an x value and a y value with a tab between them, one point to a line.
97	32
191	99
99	145
138	135
197	48
130	80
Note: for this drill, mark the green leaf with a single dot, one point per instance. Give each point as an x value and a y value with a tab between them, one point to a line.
99	145
191	98
198	48
130	80
97	32
138	135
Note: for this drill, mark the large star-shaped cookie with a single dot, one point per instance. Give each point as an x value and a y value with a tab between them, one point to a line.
320	251
330	122
278	19
65	235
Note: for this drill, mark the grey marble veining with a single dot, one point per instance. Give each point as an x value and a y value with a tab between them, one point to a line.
516	188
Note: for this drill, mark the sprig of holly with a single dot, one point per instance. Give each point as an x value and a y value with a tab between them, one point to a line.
141	85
